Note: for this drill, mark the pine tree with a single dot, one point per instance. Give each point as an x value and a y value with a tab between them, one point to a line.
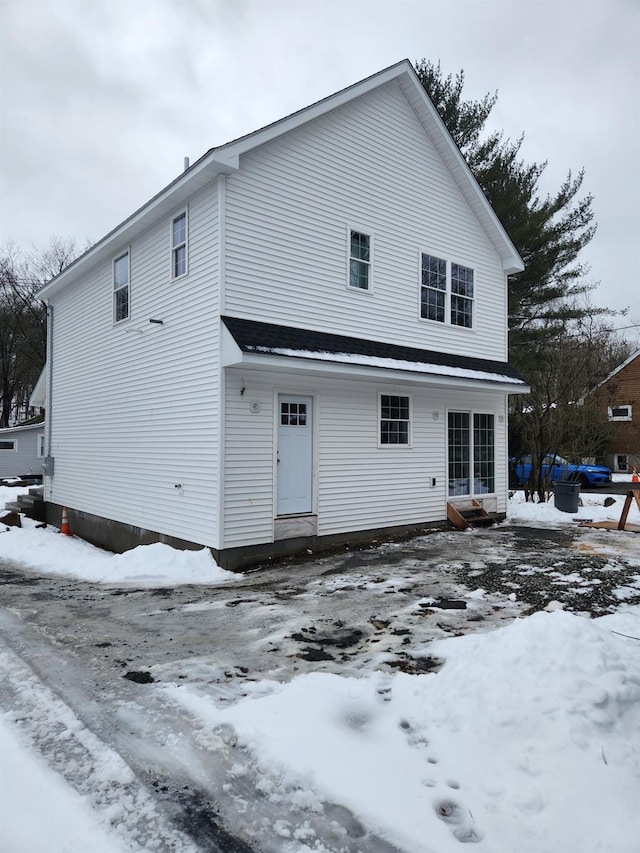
556	339
549	233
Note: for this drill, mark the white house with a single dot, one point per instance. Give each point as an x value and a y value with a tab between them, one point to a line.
302	338
22	451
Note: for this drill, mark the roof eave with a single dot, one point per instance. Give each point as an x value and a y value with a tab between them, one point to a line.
225	159
205	170
337	369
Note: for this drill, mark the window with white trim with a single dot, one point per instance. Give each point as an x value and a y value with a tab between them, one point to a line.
395	419
40	451
121	287
359	260
471	453
620	462
446	291
8	444
179	245
620	413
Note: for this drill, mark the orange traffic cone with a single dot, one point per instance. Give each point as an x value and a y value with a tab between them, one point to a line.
64	527
634	475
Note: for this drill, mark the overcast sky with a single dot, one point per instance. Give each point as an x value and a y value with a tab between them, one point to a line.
101	100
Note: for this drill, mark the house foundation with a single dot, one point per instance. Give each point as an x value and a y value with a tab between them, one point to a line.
119	537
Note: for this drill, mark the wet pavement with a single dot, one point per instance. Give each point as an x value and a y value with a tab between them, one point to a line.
107	651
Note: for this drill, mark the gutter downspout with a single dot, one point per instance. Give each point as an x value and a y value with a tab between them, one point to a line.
222	276
48	460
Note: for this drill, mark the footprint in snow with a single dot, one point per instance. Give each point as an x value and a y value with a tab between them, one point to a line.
459	820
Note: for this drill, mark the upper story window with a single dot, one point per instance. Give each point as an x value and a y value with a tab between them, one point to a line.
121	287
359	260
394	419
8	444
446	291
433	291
620	413
461	296
179	245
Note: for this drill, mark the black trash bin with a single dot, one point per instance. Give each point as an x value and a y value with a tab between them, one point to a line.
566	496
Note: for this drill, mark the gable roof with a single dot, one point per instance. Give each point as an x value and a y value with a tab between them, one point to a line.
225	159
619	368
268	339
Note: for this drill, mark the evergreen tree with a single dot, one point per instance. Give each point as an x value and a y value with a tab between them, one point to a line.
548	232
555	337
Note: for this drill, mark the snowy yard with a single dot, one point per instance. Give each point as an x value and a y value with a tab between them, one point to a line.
478	687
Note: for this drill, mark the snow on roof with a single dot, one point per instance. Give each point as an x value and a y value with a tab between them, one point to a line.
268	338
391	364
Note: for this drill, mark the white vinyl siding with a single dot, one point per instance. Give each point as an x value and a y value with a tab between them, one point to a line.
136	407
309	187
359	485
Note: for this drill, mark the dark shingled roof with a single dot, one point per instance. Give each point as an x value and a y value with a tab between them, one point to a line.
252	336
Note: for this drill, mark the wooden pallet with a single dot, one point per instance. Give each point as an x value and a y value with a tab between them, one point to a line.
470	513
632	495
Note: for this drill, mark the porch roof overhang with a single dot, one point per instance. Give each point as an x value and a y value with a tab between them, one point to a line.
266	346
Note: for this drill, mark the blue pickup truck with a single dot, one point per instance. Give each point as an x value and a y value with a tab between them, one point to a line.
555	468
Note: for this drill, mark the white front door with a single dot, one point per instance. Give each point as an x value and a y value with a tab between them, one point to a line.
295	452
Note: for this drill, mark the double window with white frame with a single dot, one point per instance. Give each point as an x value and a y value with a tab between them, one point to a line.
179	245
121	276
446	291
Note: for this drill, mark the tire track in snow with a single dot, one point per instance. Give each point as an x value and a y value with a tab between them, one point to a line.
159	778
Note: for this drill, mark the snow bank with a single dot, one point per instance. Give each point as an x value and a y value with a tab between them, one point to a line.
525	740
157	565
520	511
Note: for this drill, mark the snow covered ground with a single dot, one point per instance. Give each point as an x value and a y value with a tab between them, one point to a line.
521	735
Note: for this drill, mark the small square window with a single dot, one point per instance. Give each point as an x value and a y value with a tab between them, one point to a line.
293	414
359	260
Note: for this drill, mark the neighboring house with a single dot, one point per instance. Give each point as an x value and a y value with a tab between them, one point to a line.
22	450
302	339
618	400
